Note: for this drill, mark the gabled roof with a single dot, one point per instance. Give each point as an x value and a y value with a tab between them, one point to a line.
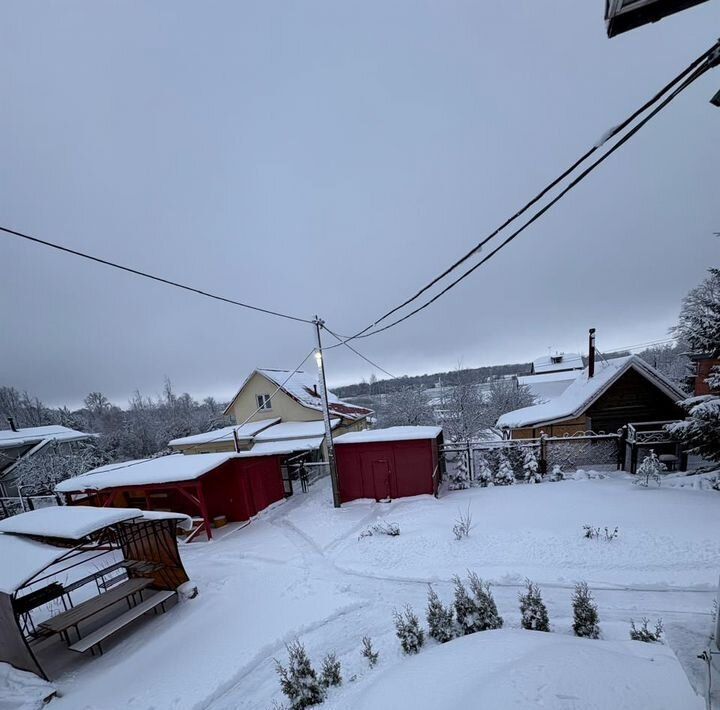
548	385
28	436
584	391
303	388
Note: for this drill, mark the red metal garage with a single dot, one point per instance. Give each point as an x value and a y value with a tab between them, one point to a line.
388	463
236	485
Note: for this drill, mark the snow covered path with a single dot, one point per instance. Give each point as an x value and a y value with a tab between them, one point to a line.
300	570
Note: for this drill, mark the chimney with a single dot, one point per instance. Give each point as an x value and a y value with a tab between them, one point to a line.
12	424
591	353
315	392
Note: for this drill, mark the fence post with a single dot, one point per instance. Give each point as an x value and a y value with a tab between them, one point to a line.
543	453
471	471
30	503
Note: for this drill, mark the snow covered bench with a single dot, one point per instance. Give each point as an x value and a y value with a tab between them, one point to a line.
96	638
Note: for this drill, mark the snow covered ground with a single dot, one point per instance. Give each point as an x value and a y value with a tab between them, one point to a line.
301	570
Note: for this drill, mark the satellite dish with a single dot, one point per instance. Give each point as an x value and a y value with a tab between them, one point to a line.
624	15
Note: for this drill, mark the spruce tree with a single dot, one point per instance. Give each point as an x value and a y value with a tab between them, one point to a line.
466	611
459	477
505	476
299	680
585	613
484	474
531	467
330	674
533	610
439	618
369	652
408	630
488	616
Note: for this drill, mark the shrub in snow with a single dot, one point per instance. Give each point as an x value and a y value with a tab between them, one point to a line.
533	609
408	630
483	473
585	614
531	467
596	533
459	476
390	529
466	610
463	525
701	428
439	618
504	476
330	673
649	468
488	616
644	634
299	681
556	474
369	652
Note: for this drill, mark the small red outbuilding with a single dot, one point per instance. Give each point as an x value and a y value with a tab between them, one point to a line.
388	463
234	485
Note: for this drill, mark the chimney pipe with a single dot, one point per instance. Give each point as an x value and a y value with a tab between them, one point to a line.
12	424
591	353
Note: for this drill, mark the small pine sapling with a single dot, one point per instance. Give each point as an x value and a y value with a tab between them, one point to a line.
330	674
369	652
484	474
644	634
557	474
505	476
531	467
585	613
465	609
459	476
488	617
439	618
408	630
299	681
650	468
533	609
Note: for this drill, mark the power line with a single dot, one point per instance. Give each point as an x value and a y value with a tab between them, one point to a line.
359	354
694	70
146	275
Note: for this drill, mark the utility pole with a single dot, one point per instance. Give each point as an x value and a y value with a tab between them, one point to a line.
326	415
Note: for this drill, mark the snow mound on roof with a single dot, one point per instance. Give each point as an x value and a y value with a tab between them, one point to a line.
33	435
164	469
393	433
66	522
521	669
22	558
20	690
584	390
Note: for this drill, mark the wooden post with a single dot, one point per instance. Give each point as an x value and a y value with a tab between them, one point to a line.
203	510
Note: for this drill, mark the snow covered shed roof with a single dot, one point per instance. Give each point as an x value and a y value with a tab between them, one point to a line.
164	469
559	361
33	435
584	391
284	446
393	433
245	432
303	388
294	430
23	558
66	522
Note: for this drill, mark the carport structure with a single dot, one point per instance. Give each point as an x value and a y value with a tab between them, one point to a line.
52	554
204	486
389	463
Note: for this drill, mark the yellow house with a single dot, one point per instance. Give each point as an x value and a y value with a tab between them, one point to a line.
277	408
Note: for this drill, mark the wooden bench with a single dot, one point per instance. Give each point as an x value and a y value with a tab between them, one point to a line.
95	639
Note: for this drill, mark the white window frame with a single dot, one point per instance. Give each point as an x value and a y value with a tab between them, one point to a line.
263	402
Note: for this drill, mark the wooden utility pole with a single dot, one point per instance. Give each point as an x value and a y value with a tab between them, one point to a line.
326	415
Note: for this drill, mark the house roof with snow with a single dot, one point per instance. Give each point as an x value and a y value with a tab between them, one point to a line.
548	385
557	363
584	391
393	433
29	436
303	388
246	432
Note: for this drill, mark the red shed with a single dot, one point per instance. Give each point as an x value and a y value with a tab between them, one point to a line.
236	485
388	463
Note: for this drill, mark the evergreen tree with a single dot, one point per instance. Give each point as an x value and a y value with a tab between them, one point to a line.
531	468
459	476
585	613
466	611
505	476
330	674
649	468
408	630
533	610
369	652
484	475
299	680
439	618
488	617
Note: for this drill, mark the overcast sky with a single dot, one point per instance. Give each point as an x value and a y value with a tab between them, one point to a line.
331	157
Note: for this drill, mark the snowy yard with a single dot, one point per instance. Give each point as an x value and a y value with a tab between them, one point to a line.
302	570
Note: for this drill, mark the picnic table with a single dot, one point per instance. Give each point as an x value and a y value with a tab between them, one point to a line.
66	620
